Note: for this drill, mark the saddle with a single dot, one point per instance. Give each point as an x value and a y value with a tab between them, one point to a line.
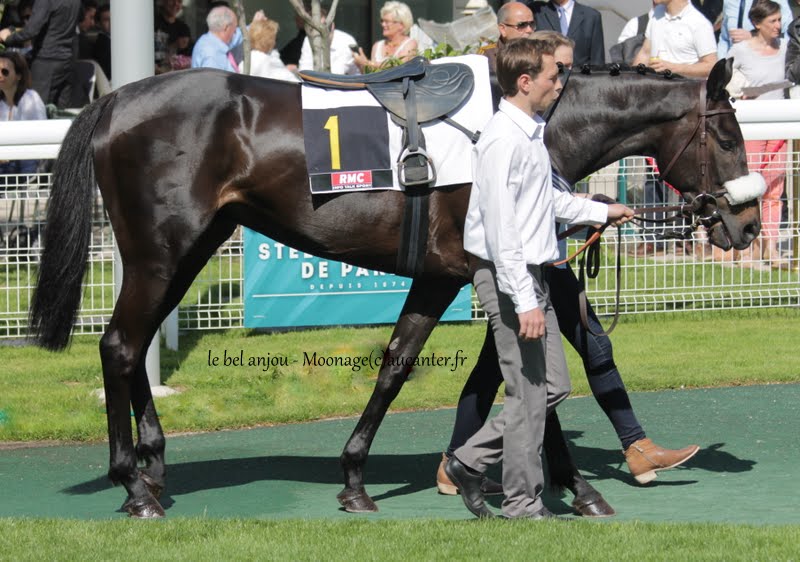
414	93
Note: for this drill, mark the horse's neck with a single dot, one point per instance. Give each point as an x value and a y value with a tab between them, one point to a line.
600	122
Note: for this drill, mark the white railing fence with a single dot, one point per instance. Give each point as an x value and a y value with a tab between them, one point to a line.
657	275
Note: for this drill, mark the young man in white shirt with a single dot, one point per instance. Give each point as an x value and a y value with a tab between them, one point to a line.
680	39
510	227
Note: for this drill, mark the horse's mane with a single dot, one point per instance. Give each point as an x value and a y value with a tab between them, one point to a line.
615	69
612	95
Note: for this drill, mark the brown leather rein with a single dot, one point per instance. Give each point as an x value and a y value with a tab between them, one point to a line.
691	209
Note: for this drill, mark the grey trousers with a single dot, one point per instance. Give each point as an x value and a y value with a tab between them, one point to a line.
536	380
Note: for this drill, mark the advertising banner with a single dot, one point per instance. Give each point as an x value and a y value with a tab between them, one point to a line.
285	288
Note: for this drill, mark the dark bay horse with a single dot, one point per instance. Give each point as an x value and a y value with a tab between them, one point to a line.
182	159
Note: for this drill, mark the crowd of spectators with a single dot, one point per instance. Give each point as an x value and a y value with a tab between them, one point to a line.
684	36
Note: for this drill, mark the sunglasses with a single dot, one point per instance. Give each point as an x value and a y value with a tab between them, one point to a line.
521	25
5	71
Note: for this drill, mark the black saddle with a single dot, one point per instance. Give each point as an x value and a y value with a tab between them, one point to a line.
439	89
414	93
413	68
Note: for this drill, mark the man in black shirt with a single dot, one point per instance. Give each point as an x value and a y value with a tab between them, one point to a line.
52	29
290	53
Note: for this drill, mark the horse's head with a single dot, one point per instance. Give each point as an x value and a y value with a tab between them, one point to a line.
704	158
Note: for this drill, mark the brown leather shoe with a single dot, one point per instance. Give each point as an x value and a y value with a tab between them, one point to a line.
443	482
446	487
645	458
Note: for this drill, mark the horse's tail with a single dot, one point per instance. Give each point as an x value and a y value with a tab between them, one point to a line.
68	231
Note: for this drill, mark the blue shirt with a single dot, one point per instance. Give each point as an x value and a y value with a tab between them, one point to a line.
730	20
212	52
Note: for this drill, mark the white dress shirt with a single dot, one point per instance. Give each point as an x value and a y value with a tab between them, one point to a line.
513	206
341	56
568	8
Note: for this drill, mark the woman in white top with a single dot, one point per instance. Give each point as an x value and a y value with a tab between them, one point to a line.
265	61
396	22
18	102
761	60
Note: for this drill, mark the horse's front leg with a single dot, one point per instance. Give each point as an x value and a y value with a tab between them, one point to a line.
564	474
151	444
425	304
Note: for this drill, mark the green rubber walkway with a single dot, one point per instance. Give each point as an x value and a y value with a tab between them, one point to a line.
746	471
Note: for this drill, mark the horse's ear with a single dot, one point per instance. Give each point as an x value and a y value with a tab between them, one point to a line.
718	79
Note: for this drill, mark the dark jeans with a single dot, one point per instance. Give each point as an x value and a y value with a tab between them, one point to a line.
52	81
605	381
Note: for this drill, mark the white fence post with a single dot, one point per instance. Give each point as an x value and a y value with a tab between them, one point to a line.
132	59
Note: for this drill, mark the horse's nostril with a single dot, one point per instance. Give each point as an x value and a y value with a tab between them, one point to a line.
752	230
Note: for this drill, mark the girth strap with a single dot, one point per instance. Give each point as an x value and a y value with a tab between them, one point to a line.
414	232
413	172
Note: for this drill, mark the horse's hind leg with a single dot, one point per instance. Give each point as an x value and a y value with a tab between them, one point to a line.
122	350
151	289
564	474
425	304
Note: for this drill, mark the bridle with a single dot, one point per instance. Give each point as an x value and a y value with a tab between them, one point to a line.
692	208
705	198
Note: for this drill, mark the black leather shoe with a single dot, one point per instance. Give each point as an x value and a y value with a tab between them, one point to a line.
491	488
469	483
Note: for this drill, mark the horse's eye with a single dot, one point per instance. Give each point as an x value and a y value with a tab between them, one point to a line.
727	145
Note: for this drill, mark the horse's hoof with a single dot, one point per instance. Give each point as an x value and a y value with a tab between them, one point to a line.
356	501
593	507
153	487
147	508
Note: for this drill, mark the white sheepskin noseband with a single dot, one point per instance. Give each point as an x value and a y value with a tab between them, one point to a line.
745	188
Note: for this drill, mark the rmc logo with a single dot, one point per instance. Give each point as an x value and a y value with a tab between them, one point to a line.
351	179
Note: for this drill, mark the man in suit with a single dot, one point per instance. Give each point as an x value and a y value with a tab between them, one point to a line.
580	23
514	19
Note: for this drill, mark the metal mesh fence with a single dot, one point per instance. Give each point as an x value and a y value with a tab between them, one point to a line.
657	274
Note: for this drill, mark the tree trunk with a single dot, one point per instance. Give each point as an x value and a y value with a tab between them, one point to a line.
319	31
239	8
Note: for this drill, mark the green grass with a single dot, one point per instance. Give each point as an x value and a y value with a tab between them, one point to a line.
48	396
200	539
